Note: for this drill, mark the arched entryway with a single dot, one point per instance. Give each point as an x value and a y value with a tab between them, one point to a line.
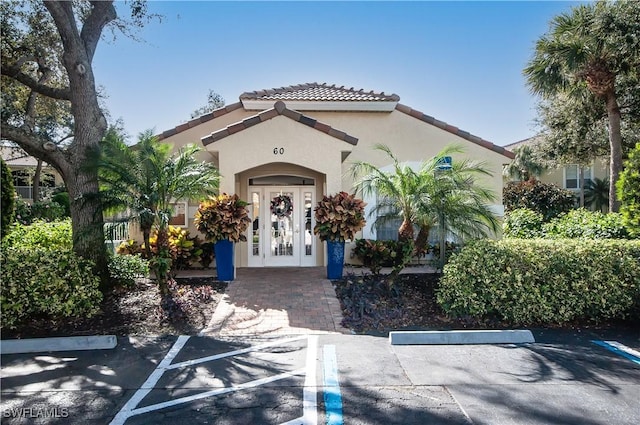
282	197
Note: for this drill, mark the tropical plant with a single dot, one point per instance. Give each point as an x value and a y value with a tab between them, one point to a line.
339	217
183	248
145	180
7	207
129	247
629	192
590	48
430	195
396	190
526	165
596	194
377	254
223	218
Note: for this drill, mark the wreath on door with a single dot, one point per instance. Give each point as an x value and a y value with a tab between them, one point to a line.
282	206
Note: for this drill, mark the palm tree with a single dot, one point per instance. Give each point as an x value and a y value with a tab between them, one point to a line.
430	195
146	179
451	199
596	193
525	166
590	47
396	191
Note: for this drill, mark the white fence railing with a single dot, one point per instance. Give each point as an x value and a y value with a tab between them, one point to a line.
116	231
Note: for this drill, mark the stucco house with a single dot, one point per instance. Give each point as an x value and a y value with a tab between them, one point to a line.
567	176
300	141
23	167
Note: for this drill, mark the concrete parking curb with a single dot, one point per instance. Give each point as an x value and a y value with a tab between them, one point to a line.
72	343
519	336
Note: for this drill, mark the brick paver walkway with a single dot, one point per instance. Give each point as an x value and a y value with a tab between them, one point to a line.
277	301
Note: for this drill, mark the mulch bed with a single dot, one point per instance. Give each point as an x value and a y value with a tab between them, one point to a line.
371	305
138	311
368	305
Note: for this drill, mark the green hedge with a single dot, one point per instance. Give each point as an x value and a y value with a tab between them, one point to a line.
581	223
51	235
44	282
536	281
523	223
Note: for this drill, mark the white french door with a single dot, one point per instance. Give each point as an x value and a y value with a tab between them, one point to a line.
282	229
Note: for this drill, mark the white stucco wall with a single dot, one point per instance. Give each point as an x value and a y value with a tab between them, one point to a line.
411	140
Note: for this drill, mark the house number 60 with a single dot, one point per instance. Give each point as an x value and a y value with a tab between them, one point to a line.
278	151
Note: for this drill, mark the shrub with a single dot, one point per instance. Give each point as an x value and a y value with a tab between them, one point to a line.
529	282
129	247
124	269
547	199
582	223
385	253
44	210
48	283
61	197
183	248
523	223
8	196
450	248
40	234
628	187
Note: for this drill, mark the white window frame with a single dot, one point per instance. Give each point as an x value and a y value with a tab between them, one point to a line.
588	169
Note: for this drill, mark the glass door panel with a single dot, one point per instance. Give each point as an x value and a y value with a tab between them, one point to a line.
308	253
255	230
283	246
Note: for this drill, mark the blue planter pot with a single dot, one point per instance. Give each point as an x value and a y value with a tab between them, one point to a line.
224	260
335	260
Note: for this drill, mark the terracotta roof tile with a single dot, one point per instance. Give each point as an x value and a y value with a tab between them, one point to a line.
319	92
199	120
454	130
279	108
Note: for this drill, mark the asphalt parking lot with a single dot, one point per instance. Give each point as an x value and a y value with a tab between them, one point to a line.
562	378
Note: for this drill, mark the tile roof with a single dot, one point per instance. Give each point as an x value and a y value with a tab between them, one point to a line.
279	108
199	120
454	130
319	92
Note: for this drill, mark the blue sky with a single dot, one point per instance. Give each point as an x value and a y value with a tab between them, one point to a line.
460	62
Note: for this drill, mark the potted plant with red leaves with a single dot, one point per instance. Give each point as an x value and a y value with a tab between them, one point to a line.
224	221
338	218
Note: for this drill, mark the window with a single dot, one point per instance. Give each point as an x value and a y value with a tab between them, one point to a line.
179	217
572	176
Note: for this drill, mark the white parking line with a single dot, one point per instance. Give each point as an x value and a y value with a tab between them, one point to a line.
246	385
310	413
150	383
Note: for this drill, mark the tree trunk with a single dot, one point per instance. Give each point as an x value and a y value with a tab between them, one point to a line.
615	143
405	233
86	220
581	182
420	248
35	196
